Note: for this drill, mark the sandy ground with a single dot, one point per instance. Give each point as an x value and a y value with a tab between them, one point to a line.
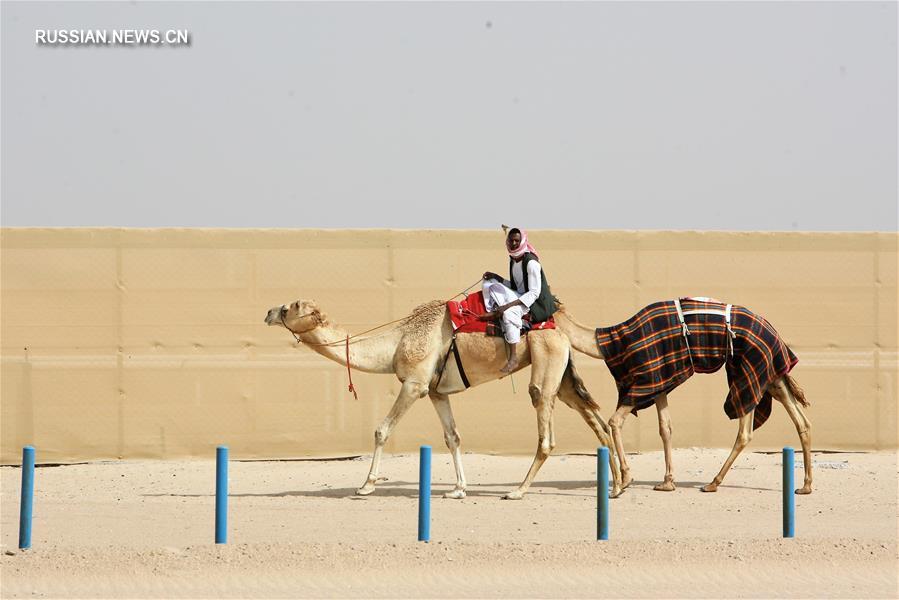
145	530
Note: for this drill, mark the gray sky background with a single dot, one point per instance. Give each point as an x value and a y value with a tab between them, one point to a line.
672	115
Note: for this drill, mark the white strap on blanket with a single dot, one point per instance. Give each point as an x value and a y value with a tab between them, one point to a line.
684	328
726	313
731	336
680	315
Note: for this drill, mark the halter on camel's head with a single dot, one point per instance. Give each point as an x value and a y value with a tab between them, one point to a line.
303	316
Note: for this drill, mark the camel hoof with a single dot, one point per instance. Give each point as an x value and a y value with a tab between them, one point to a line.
665	486
616	492
516	495
365	490
455	494
806	489
709	488
626	480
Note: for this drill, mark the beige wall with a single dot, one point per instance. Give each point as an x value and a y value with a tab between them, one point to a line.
150	343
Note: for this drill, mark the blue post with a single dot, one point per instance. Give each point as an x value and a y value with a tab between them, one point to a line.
424	494
789	498
27	500
602	493
221	495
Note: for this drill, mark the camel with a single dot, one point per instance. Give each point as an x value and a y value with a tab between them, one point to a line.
783	388
417	352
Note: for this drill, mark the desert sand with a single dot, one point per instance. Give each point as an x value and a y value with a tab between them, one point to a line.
144	529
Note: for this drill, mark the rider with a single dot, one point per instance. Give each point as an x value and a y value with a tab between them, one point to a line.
525	292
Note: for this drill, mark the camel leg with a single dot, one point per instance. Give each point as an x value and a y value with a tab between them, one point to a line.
453	440
543	403
803	427
409	393
744	434
552	431
569	396
661	402
595	422
615	424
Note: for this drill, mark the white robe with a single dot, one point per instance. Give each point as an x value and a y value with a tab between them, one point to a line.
496	294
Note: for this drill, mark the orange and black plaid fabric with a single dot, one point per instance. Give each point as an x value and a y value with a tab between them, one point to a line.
648	355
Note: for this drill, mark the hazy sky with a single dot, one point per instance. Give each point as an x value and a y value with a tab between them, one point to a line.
641	115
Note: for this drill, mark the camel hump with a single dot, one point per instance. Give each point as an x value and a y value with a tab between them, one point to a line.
421	330
571	376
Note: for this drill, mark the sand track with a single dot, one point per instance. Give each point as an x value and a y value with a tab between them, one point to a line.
144	529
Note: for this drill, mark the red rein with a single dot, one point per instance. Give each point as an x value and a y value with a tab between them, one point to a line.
348	372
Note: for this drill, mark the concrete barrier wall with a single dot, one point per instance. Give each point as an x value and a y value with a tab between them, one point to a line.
150	343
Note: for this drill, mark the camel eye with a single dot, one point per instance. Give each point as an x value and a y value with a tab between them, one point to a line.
283	311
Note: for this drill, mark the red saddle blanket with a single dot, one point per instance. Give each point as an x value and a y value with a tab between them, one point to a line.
464	315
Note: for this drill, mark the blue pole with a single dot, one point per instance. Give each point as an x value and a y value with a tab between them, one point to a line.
602	493
221	495
424	494
27	500
789	498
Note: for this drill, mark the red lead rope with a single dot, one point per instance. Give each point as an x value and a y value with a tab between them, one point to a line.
348	372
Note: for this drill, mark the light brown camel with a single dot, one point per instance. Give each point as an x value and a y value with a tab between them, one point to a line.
416	350
784	389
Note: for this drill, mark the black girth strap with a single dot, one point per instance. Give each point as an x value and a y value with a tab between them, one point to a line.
459	364
455	352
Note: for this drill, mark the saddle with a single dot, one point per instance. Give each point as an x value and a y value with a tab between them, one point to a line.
464	315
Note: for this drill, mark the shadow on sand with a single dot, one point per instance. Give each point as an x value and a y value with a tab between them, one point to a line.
409	489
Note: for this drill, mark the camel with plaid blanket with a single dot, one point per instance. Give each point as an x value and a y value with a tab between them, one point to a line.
665	343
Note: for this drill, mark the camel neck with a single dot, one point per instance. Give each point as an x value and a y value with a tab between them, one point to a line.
583	339
372	354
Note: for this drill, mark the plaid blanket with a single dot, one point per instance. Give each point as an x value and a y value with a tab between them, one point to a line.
648	354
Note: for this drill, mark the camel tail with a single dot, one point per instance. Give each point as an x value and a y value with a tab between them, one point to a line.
577	383
796	391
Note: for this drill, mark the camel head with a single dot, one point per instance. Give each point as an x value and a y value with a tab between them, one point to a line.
299	317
